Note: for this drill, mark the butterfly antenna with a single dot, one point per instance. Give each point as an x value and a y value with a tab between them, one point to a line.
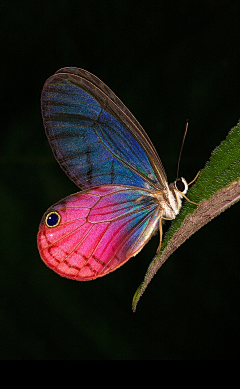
184	136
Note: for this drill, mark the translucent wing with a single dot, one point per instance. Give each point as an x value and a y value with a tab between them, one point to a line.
96	231
94	137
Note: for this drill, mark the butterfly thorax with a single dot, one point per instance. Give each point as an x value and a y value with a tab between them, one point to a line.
170	199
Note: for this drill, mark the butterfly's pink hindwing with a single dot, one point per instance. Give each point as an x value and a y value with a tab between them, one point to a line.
93	232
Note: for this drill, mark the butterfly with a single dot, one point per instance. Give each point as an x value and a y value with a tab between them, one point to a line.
124	194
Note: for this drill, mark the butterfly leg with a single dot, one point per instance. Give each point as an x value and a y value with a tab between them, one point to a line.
161	231
190	183
192	202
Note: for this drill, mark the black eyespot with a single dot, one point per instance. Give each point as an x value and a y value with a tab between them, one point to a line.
52	219
180	185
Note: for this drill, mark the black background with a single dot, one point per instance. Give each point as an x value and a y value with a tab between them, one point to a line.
168	61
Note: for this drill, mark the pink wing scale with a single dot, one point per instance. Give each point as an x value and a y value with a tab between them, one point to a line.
99	230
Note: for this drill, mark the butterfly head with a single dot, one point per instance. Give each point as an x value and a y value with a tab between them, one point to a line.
181	185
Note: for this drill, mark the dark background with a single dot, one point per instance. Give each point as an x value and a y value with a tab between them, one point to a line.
168	61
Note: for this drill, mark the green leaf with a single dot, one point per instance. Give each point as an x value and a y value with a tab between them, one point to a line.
216	189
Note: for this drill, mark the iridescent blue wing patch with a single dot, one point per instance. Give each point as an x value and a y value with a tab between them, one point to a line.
94	137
